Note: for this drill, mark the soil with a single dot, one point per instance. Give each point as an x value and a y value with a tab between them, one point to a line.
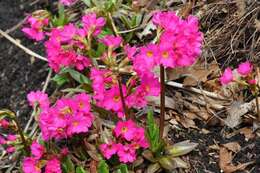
19	73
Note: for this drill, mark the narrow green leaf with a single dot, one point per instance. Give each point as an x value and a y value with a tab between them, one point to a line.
103	167
68	165
123	168
60	79
80	169
87	2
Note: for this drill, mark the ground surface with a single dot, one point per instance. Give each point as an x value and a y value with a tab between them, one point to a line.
20	74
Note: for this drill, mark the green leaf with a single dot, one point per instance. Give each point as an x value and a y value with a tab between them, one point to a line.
80	78
181	148
80	169
60	79
61	19
103	167
122	169
87	2
153	134
68	165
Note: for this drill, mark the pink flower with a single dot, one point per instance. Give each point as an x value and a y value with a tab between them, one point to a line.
226	77
79	124
53	166
4	123
245	68
83	102
31	165
11	137
37	150
67	2
126	153
38	97
35	30
10	149
125	129
108	150
92	24
2	140
252	81
112	41
130	51
64	151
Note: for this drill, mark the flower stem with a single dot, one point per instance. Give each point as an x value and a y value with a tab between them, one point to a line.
122	96
20	131
257	108
162	101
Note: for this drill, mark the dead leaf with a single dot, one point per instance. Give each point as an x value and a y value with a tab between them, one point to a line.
193	74
233	146
247	132
225	162
93	166
234	116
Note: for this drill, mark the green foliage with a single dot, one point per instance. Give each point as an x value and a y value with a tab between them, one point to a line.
68	166
61	19
122	169
153	135
62	78
103	167
80	169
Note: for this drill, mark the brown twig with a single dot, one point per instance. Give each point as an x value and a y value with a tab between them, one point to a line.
162	101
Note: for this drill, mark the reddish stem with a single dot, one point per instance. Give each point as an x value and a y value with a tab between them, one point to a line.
162	101
122	96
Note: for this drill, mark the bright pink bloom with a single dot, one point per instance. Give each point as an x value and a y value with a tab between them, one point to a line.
37	149
67	2
4	123
2	140
125	129
112	41
126	154
31	165
35	30
108	150
92	24
38	97
11	137
252	81
130	51
245	68
83	102
53	166
10	149
226	77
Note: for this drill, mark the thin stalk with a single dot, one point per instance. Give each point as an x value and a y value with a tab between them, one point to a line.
20	131
122	97
257	108
162	101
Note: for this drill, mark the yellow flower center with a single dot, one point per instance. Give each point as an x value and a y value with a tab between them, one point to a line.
116	98
165	54
149	54
124	129
67	110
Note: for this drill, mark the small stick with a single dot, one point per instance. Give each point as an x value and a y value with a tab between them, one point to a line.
162	101
26	50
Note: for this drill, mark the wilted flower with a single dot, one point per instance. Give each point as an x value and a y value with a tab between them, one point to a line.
226	77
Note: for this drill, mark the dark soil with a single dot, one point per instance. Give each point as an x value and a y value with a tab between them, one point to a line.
18	73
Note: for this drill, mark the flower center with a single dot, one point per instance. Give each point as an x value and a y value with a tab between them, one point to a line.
67	110
149	54
124	129
116	98
165	55
75	123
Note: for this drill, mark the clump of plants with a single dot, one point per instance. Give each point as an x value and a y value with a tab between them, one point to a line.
107	79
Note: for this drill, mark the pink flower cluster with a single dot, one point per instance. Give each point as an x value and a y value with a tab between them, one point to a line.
179	44
67	117
107	92
131	138
38	98
35	29
66	45
35	163
244	69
